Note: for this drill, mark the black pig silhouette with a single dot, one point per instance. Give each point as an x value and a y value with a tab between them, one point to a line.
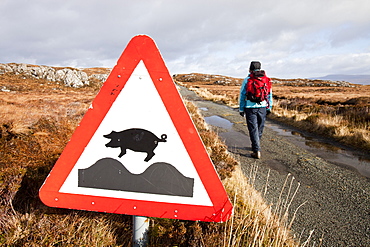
138	140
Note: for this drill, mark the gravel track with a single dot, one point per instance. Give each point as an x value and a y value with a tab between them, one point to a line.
333	202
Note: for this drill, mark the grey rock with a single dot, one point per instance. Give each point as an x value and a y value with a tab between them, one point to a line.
69	77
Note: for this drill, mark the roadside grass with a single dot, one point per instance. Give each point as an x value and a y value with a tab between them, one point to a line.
347	124
254	223
34	129
224	98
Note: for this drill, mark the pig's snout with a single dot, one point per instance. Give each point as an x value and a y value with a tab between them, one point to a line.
113	143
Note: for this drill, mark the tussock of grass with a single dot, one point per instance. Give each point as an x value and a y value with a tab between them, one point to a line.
255	223
72	229
26	160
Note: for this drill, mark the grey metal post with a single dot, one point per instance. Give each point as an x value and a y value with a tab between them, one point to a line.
140	231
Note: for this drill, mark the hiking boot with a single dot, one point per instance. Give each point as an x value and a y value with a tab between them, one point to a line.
256	155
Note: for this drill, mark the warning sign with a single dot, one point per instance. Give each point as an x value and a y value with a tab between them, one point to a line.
136	151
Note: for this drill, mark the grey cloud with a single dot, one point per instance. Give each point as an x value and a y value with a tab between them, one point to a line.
218	37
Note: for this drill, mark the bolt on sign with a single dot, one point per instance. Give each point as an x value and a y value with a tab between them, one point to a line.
137	151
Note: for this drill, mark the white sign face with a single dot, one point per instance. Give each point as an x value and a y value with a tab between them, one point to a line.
138	111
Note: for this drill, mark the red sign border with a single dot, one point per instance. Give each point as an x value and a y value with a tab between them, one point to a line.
143	48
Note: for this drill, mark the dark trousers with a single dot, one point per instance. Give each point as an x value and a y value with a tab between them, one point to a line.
256	122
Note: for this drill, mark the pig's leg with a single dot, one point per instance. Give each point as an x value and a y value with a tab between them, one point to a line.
123	152
149	156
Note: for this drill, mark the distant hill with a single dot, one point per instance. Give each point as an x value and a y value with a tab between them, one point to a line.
225	80
356	79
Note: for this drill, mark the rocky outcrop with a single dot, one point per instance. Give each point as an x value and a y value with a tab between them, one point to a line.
70	77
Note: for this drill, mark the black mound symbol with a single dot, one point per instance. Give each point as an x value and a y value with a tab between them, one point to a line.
159	178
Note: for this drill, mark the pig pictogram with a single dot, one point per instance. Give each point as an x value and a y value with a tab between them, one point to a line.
138	140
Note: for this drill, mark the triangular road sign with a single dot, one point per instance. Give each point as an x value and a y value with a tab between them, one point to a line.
137	151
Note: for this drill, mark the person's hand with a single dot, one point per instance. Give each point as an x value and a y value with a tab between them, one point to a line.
268	111
241	113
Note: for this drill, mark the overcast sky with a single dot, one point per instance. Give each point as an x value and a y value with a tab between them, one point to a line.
292	38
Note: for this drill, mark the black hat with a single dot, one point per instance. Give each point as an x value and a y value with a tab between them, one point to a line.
255	65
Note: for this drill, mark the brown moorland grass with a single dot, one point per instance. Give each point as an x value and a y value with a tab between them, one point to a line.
338	112
38	117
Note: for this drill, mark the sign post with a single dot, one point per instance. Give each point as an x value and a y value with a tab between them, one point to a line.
137	151
140	231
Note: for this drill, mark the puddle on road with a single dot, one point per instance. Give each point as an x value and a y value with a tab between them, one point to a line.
219	122
231	137
327	151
